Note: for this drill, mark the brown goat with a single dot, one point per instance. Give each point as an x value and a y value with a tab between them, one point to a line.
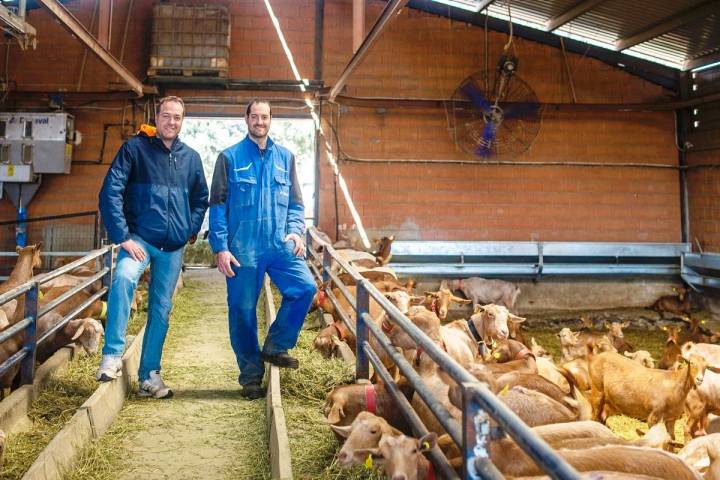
643	393
671	352
678	304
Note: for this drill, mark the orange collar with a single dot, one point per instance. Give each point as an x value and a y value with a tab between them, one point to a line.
342	331
148	130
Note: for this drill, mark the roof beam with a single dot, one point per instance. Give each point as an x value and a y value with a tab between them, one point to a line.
668	24
78	29
570	15
701	61
388	13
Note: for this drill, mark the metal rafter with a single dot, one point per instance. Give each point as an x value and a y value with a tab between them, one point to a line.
570	15
388	13
18	27
668	24
78	29
701	61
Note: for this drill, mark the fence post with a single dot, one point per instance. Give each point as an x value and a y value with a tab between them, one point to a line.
327	263
108	262
476	439
362	299
27	366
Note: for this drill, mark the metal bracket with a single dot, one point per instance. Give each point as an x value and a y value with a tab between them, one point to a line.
540	263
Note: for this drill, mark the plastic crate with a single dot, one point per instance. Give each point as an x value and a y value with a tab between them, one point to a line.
190	40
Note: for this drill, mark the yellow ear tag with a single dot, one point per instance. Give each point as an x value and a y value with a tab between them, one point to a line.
368	462
426	445
504	390
40	295
103	312
496	355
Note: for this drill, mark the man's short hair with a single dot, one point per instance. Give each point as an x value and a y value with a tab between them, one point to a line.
255	101
169	98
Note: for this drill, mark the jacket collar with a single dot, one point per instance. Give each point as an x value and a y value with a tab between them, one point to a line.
254	145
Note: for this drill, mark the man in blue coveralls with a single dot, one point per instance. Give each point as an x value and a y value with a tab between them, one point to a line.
257	226
153	202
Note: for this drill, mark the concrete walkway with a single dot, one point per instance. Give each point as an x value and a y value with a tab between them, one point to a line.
207	430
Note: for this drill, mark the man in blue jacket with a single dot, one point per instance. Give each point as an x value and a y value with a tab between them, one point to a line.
256	226
152	202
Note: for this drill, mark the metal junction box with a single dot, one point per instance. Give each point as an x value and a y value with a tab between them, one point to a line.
34	143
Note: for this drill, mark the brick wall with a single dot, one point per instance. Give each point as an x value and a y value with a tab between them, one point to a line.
420	55
703	194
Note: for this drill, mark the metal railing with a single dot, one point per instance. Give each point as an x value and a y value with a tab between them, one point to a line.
26	355
480	405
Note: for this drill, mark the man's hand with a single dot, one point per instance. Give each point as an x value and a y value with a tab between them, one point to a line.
225	261
134	249
299	250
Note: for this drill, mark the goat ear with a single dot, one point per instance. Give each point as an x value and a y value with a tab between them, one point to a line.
336	413
639	432
479	308
342	431
17	250
79	332
713	369
516	319
461	301
607	325
427	442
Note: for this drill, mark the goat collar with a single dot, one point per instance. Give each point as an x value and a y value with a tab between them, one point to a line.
433	306
524	353
386	325
321	297
430	472
459	284
370	399
473	331
342	331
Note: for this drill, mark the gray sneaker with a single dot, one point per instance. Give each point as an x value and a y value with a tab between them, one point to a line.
154	387
110	368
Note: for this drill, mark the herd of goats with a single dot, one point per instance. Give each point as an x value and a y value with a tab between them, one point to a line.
565	401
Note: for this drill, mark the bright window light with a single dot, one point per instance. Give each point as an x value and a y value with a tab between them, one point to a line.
471	5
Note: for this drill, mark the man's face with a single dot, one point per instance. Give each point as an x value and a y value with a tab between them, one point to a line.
258	121
169	120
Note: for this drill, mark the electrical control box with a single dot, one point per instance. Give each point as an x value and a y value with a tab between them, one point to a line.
34	143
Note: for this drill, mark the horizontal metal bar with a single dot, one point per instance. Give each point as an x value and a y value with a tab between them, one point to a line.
336	257
50	217
435	249
343	289
519	270
10	362
436	455
72	265
700	280
15	292
13	330
48	254
72	314
344	317
536	448
65	296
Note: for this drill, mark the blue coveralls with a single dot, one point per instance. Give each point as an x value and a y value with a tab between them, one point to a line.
255	202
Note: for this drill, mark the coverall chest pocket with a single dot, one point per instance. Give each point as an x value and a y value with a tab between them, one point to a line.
243	186
281	188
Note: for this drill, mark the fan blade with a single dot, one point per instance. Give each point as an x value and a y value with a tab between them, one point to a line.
483	148
475	96
520	109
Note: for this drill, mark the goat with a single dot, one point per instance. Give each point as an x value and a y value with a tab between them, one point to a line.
678	304
639	392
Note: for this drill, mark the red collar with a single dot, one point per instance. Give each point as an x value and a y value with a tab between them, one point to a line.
321	297
433	306
370	398
387	326
524	353
430	472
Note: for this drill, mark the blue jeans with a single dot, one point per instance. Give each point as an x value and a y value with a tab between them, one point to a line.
164	271
292	277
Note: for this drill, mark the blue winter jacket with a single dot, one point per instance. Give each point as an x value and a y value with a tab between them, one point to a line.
157	193
255	200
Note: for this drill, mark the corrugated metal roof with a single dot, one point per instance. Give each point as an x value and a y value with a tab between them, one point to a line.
605	22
